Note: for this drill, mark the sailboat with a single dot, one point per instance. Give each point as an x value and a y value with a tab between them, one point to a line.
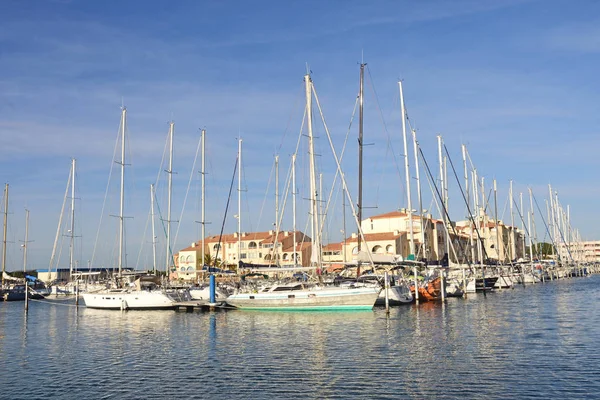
133	292
299	295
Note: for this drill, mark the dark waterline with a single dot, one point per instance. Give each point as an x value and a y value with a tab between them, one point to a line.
541	341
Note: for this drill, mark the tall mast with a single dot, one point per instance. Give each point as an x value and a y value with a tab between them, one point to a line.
294	255
169	258
275	248
442	186
411	236
522	222
468	196
497	223
513	246
529	218
316	232
26	241
153	229
417	176
203	205
239	247
360	148
5	232
72	243
122	199
478	217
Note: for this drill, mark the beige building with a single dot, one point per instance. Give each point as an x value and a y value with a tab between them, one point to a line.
389	234
261	248
584	251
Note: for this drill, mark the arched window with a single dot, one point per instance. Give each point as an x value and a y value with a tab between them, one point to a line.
389	248
216	247
188	258
285	256
355	250
267	257
181	259
377	249
295	256
252	245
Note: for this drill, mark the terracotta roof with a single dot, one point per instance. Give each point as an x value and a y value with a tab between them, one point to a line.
392	214
369	237
333	246
299	247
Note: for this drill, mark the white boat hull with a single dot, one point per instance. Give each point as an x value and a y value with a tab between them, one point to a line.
396	295
128	300
204	294
334	298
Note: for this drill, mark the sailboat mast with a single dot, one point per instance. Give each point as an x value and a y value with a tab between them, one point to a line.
360	148
468	196
239	247
5	232
72	243
294	253
169	258
26	240
530	223
275	245
443	192
203	205
513	246
497	224
407	173
522	223
122	198
420	199
153	229
316	231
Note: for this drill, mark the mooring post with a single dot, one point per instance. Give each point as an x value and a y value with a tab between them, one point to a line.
26	296
387	292
212	289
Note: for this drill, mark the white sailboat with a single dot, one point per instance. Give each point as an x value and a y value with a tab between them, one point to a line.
302	296
145	292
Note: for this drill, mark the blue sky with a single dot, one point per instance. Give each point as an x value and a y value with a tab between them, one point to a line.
514	80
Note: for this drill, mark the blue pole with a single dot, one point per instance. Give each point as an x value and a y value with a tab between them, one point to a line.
212	289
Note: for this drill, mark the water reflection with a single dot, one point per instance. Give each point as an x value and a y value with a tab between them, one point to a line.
504	344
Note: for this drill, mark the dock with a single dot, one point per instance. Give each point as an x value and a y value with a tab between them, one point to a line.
197	305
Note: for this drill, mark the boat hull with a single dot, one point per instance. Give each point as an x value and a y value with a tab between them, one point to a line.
307	300
132	300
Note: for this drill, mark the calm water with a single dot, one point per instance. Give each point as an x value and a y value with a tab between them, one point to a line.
541	341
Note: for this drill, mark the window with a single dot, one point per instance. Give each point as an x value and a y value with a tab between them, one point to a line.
216	247
243	255
252	245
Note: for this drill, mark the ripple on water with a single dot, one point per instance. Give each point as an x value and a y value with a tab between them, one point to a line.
540	341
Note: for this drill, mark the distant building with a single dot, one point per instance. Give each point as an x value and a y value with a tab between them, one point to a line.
389	234
582	251
269	247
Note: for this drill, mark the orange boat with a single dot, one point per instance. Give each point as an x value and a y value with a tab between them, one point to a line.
430	292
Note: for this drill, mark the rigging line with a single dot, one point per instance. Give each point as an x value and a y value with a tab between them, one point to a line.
112	163
548	231
389	139
137	261
187	191
58	228
343	180
226	209
437	205
463	196
262	207
342	153
299	96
